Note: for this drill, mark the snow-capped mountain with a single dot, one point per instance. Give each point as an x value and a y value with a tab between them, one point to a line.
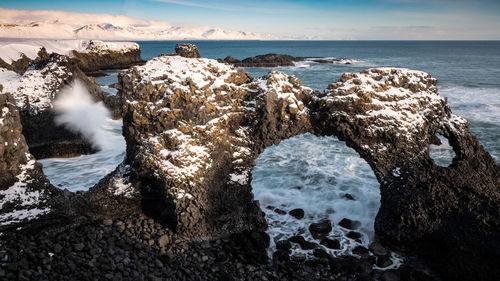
69	25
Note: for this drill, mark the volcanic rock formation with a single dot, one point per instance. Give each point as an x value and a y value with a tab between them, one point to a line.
25	193
194	128
277	60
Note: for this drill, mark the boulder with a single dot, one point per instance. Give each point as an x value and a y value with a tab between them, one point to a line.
320	229
297	213
349	224
187	50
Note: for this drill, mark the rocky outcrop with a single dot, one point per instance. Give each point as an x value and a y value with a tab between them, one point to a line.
446	214
268	60
187	50
193	134
99	55
193	128
21	65
277	60
25	193
34	92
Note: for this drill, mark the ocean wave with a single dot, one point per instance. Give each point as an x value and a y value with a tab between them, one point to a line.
475	104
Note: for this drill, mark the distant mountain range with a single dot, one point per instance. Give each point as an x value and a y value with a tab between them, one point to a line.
43	24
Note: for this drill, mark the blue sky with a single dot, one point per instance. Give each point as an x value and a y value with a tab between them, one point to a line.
313	19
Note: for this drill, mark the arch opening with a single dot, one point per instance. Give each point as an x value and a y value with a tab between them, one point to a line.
77	111
307	180
440	151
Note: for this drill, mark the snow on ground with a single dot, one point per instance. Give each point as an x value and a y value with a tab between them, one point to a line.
69	25
35	88
396	99
18	192
12	49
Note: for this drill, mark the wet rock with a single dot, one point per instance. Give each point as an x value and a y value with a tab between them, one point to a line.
353	235
297	213
279	211
384	261
320	229
320	253
349	197
187	50
361	251
390	275
281	255
283	245
333	244
299	257
349	224
377	249
304	244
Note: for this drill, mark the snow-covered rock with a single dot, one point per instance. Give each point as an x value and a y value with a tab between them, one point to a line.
24	190
91	55
194	126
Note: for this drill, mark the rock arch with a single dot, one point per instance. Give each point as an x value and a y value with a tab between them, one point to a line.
194	128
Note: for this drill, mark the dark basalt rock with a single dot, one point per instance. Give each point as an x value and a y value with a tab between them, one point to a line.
353	235
330	243
283	245
187	50
191	145
377	249
268	60
277	60
411	184
22	64
304	244
297	213
320	229
349	224
361	251
25	192
96	58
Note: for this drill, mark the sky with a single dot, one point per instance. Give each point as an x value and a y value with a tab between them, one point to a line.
309	19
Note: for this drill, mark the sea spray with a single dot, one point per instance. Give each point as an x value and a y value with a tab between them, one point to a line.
78	112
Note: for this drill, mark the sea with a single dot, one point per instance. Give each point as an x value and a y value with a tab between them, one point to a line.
321	175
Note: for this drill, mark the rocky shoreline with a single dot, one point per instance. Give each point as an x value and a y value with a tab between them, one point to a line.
181	208
277	60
